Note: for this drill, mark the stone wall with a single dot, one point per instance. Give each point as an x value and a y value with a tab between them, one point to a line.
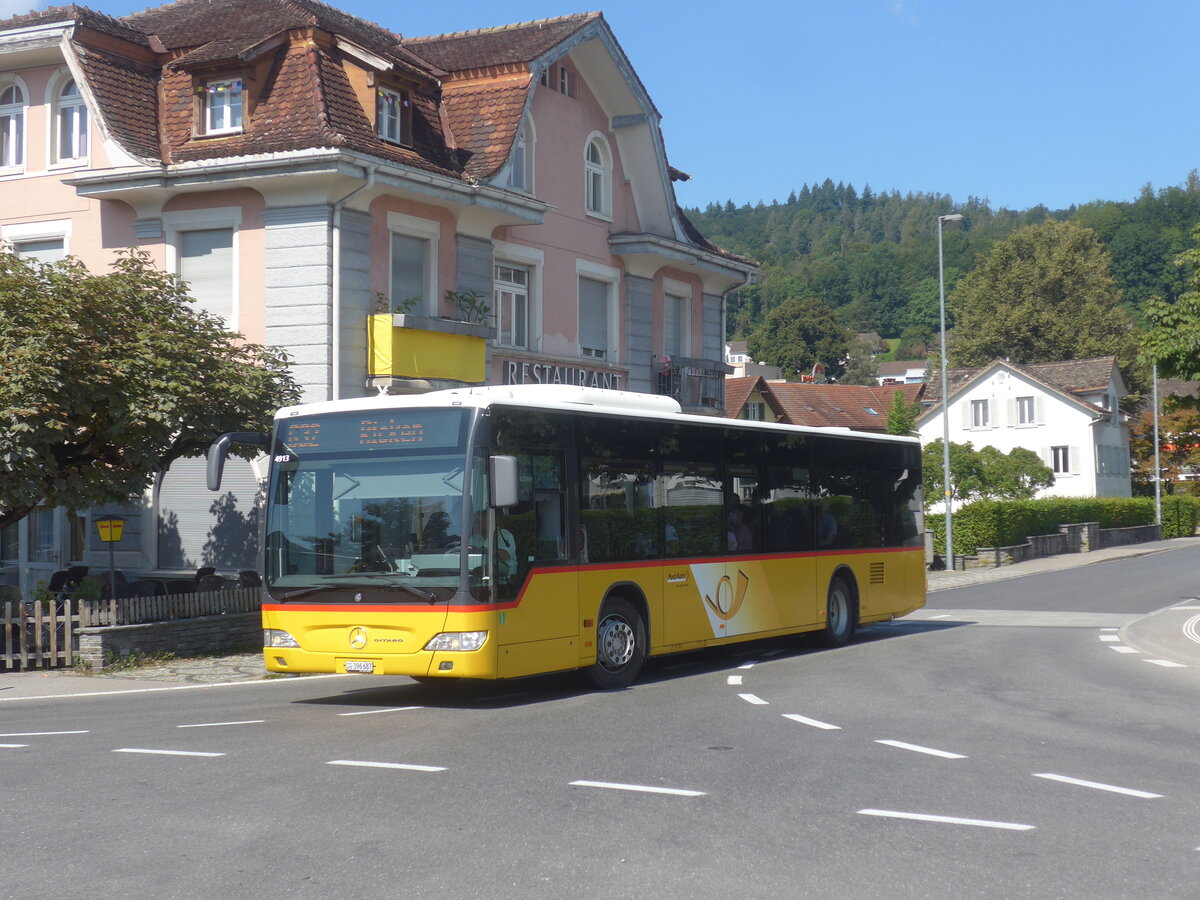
182	637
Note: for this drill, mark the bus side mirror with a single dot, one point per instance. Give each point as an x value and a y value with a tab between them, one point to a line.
502	477
218	450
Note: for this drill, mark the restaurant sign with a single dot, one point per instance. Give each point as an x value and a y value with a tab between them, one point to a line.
524	372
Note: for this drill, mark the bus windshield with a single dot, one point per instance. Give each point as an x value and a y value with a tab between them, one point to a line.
368	508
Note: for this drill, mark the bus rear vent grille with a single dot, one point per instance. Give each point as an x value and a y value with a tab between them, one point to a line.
877	573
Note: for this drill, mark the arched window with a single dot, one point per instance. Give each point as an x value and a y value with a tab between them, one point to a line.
598	170
72	123
520	173
12	126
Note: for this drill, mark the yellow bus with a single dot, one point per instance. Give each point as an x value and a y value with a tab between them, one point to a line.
500	532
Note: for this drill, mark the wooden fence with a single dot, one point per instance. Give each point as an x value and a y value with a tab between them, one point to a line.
46	636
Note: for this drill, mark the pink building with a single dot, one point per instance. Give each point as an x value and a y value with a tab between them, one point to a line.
302	169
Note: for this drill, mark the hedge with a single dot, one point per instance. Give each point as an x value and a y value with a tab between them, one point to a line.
993	523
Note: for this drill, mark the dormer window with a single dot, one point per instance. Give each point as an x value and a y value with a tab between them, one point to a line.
72	124
223	106
520	173
393	116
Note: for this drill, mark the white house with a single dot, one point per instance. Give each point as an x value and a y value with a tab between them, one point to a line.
1066	412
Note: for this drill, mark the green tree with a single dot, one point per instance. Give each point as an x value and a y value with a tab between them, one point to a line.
1172	339
1044	294
984	474
109	378
901	415
798	333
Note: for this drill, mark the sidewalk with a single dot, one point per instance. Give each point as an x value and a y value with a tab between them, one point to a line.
939	581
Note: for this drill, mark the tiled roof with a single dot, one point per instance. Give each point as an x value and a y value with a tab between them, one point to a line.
900	366
1077	376
126	92
484	117
844	405
505	45
738	391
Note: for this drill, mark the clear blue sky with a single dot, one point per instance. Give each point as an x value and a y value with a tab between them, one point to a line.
1018	102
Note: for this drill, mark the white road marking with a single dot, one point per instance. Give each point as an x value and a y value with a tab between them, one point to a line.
12	746
734	679
1110	638
165	752
171	687
218	724
1123	649
815	723
753	698
39	733
1191	629
749	665
942	616
916	748
947	820
678	792
1183	608
1110	629
371	712
1166	663
1097	785
384	765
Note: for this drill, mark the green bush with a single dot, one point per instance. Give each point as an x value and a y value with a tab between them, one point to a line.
992	523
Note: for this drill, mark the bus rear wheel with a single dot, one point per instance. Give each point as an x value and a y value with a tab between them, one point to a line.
620	645
839	614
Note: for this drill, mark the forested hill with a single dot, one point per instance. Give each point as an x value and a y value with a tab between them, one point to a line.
872	257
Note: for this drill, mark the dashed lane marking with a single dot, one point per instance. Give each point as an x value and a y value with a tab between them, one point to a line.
945	820
1123	649
815	723
734	680
165	752
1112	788
754	699
12	746
640	788
219	724
39	733
917	748
1166	663
373	712
367	764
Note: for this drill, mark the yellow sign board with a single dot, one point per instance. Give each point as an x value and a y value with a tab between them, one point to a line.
110	530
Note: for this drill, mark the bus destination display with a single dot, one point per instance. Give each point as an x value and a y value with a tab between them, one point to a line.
413	428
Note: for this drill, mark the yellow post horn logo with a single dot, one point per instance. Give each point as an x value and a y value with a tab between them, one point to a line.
728	602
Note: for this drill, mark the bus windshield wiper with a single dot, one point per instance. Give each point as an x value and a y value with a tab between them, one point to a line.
349	586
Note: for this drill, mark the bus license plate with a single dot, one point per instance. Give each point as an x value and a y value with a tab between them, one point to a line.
360	665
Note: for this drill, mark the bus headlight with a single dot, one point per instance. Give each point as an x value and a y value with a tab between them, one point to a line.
273	637
457	640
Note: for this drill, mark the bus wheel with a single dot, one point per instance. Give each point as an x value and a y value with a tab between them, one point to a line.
620	645
839	614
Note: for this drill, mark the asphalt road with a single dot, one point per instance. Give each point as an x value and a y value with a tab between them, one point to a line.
996	744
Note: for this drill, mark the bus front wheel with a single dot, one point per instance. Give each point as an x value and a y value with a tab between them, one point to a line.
620	645
839	614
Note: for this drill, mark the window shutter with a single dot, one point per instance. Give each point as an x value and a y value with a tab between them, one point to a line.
1011	411
1039	410
1074	461
47	251
593	317
966	413
206	264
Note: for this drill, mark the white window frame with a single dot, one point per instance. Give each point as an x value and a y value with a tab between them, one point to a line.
174	223
980	414
423	229
681	293
756	411
14	125
28	232
564	80
599	206
532	260
520	163
400	118
75	109
612	278
1060	460
510	303
1026	410
233	116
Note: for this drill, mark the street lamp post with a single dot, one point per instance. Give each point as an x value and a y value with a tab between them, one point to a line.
953	217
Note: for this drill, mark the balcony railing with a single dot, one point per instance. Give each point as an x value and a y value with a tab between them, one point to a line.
698	384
